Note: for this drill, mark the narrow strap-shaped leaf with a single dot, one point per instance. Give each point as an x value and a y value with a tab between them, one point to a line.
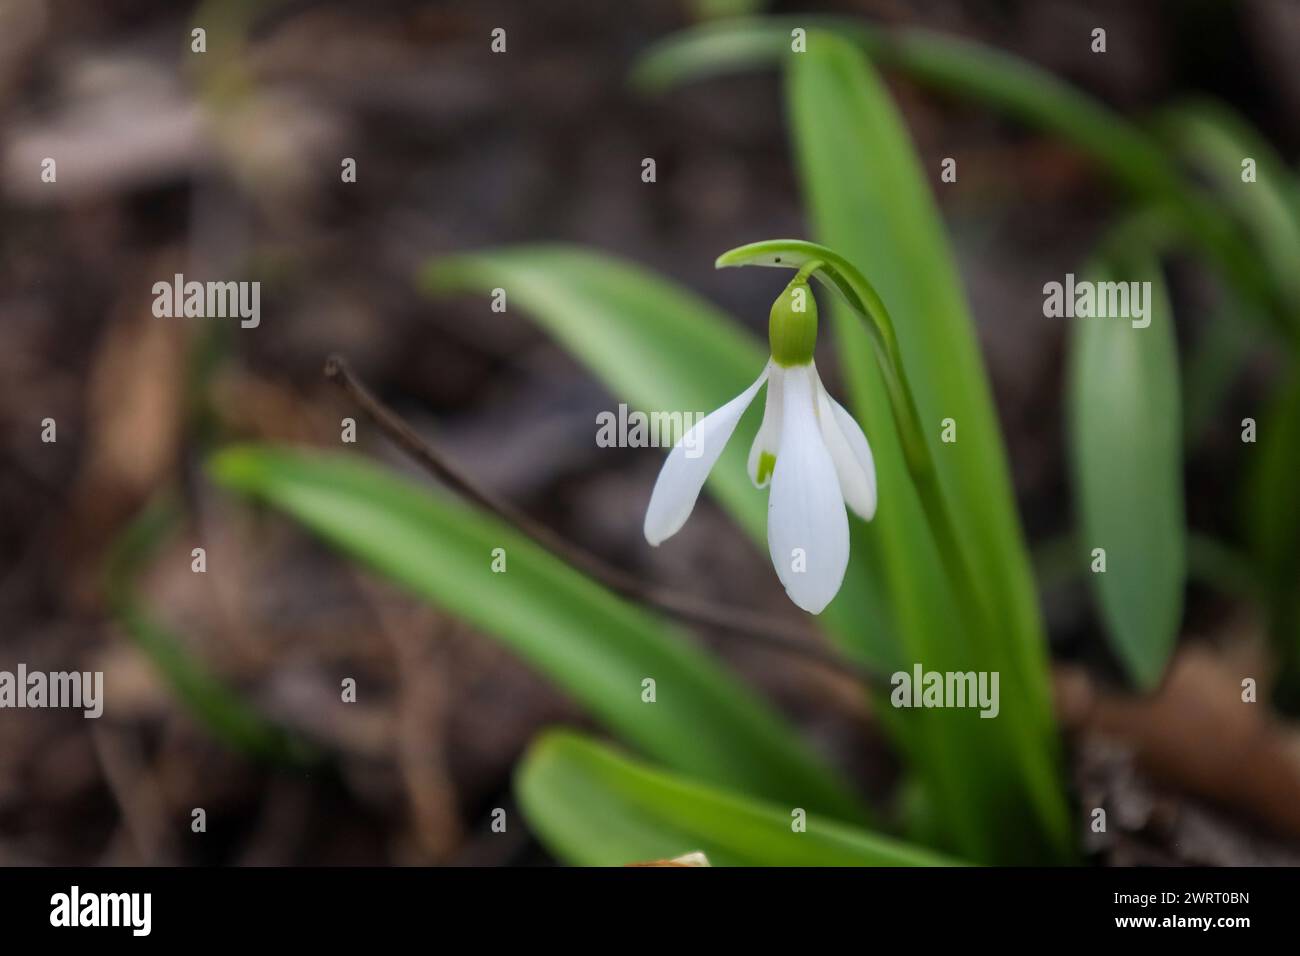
1263	198
593	806
592	644
870	203
211	702
1017	87
1126	444
661	348
1272	518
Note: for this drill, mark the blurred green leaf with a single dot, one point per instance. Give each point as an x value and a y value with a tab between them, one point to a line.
210	701
595	646
1008	83
1216	564
1273	526
1217	141
650	342
712	49
1126	443
1215	362
659	347
995	783
592	806
962	67
713	9
1219	144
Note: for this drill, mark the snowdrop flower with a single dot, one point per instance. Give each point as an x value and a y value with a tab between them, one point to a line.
809	448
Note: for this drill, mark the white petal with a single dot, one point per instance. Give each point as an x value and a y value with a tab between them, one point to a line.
689	464
768	438
807	526
854	465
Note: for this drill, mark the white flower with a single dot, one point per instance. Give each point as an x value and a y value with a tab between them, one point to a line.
817	458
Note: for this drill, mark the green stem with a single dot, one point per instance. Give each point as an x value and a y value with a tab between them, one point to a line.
839	275
807	270
842	277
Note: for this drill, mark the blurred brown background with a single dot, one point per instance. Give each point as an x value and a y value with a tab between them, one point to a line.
226	165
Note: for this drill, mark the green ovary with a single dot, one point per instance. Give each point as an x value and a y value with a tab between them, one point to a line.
792	326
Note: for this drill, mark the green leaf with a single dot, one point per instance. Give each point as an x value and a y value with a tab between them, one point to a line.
1216	141
1273	525
994	783
685	358
592	806
711	9
661	348
1126	443
953	65
592	644
711	49
210	701
1018	88
649	341
1216	360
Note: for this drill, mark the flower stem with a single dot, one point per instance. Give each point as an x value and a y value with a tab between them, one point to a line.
808	269
842	277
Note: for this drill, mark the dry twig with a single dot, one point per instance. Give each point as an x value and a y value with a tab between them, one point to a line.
759	628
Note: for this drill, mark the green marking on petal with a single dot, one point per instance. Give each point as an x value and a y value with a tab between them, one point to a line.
766	464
